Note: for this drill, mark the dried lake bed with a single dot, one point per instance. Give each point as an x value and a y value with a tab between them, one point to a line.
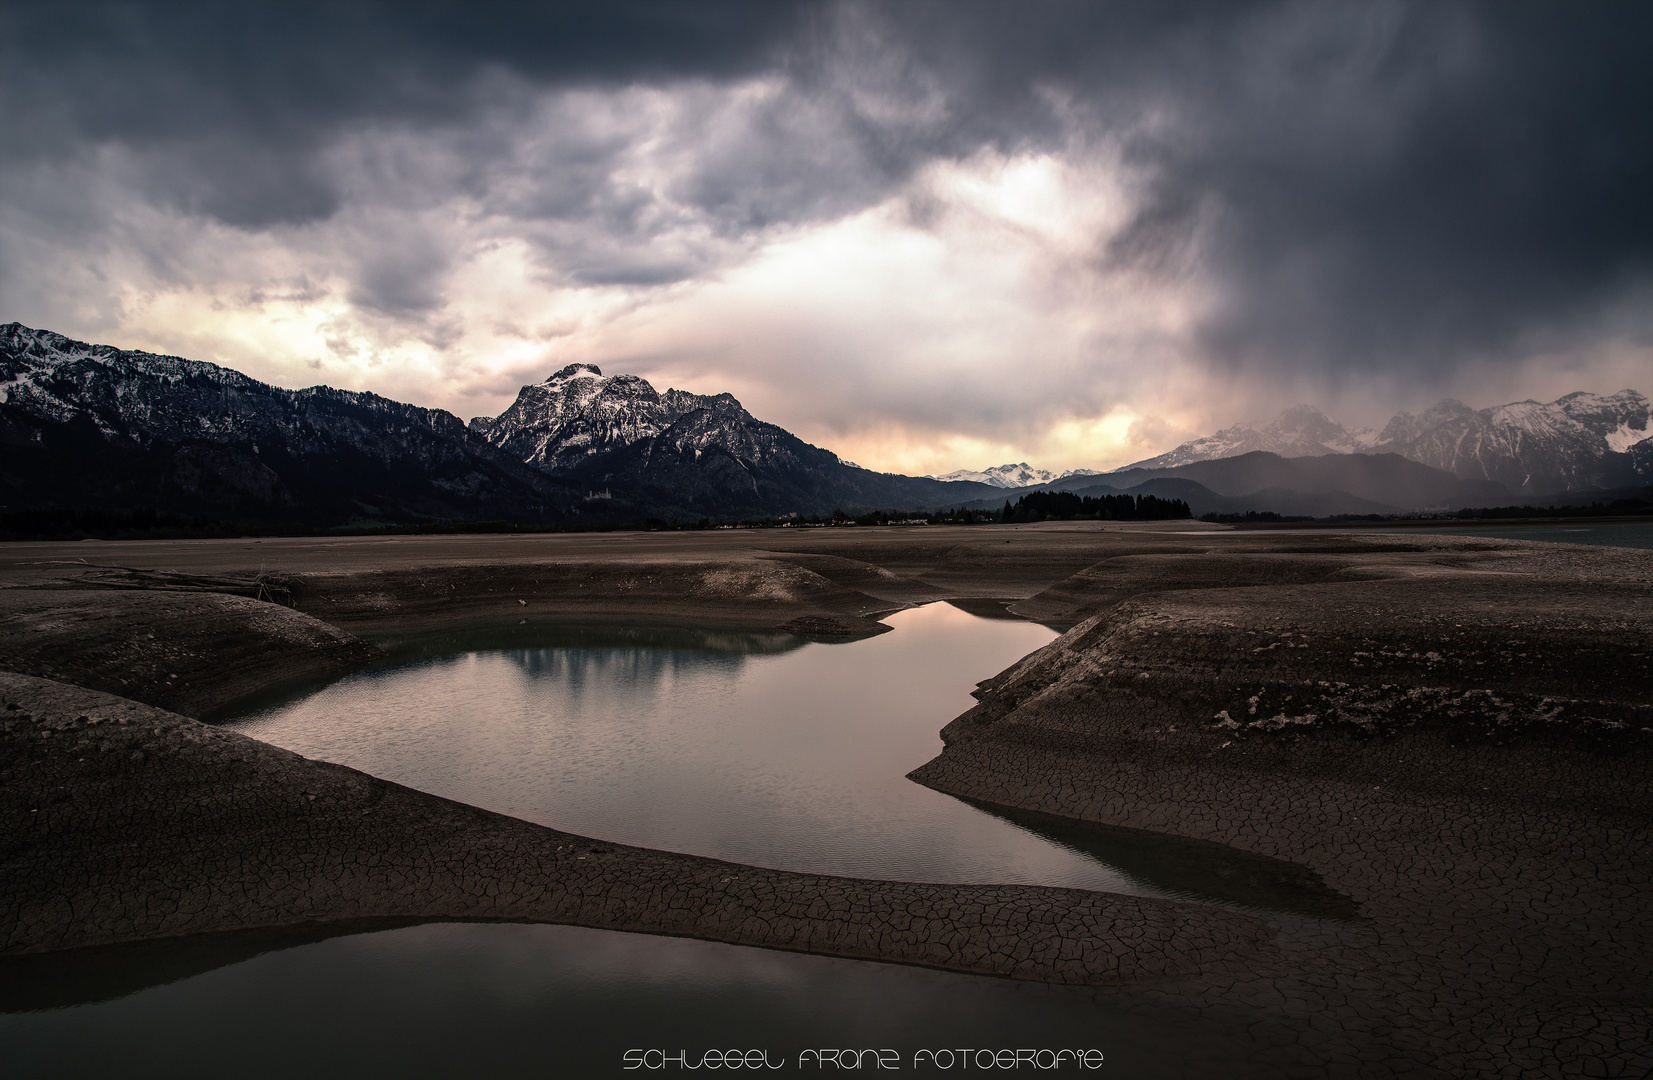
1484	823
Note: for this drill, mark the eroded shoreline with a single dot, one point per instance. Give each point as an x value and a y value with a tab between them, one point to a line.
1501	930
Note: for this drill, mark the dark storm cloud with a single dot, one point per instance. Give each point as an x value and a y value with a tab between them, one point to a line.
239	98
1368	186
152	71
1390	185
1417	184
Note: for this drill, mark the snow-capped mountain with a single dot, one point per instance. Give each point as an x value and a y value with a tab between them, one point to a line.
1577	442
1019	475
1300	431
687	454
91	425
579	413
1012	477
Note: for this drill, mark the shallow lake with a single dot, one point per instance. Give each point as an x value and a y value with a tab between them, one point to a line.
1634	534
503	1000
1631	534
761	748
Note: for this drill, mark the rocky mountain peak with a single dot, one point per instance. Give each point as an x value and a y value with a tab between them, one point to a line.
93	425
1582	440
576	371
1447	407
1404	426
1605	415
1014	475
579	413
1301	416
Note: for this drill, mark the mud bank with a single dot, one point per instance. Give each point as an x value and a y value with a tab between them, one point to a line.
129	823
834	580
1459	739
1452	733
194	653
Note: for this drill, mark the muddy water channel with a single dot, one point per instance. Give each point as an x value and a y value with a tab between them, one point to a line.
764	749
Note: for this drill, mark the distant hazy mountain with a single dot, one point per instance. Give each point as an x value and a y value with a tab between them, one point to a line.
1581	441
1002	476
1019	475
1300	431
90	426
1316	486
1285	501
1362	483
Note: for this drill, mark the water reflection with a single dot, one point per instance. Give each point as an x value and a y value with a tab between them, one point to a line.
79	977
571	634
631	673
793	758
763	749
510	1000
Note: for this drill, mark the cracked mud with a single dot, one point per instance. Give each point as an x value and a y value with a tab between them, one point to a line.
1450	737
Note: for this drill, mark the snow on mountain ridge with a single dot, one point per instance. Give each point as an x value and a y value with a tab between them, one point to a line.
1300	431
135	396
579	413
1624	437
1532	447
191	437
194	437
47	352
575	371
1017	475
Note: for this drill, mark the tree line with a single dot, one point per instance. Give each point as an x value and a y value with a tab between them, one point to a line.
1066	506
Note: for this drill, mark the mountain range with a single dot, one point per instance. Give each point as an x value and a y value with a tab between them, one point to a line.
1300	431
1580	441
1019	475
1311	486
688	455
1452	456
95	426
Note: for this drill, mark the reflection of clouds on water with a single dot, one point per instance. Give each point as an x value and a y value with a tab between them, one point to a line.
504	999
792	755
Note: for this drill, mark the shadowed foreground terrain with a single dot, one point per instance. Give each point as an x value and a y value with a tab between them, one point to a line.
276	839
1451	733
1457	740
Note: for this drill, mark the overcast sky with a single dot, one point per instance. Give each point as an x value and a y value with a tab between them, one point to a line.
925	235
